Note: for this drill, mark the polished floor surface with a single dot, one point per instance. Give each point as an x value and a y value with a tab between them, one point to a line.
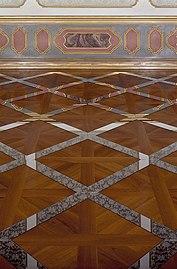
88	169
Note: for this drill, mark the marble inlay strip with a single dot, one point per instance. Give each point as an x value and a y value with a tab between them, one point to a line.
8	166
12	125
60	178
163	152
60	146
166	166
163	125
114	146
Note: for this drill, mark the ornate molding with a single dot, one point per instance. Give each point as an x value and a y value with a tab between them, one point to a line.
132	42
19	40
42	40
171	40
155	41
87	41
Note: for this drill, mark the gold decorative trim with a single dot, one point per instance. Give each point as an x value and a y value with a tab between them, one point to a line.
90	63
162	41
49	40
85	6
164	6
87	20
138	41
26	40
7	43
168	44
83	52
24	1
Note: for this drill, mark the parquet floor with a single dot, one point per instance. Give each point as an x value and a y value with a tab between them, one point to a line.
88	169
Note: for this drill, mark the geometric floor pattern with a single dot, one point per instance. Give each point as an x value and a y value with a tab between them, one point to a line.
88	169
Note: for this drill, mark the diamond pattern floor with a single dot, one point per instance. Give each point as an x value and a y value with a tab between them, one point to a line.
88	169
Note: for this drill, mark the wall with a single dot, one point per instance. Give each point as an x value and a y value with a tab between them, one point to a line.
142	8
68	38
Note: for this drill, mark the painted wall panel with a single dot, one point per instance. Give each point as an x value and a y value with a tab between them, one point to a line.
12	3
164	3
112	41
86	3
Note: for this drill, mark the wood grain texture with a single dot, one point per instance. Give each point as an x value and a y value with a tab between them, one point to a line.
45	103
34	136
152	192
168	116
87	236
88	90
161	90
123	80
87	118
5	158
141	136
52	80
130	103
87	162
14	90
172	158
24	192
8	116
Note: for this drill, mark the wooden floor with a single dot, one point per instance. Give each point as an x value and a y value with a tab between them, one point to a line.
88	169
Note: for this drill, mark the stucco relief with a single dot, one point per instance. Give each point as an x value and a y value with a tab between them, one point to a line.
164	3
11	3
86	3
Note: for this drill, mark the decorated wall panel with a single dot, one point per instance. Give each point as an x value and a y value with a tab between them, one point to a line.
85	3
164	3
90	3
59	41
12	3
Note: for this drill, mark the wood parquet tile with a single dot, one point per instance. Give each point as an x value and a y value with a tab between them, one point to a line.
87	118
158	73
24	192
161	90
5	158
45	103
52	80
87	236
123	80
14	90
88	169
23	73
87	90
130	103
152	192
141	136
34	136
168	115
88	73
8	116
171	158
87	162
